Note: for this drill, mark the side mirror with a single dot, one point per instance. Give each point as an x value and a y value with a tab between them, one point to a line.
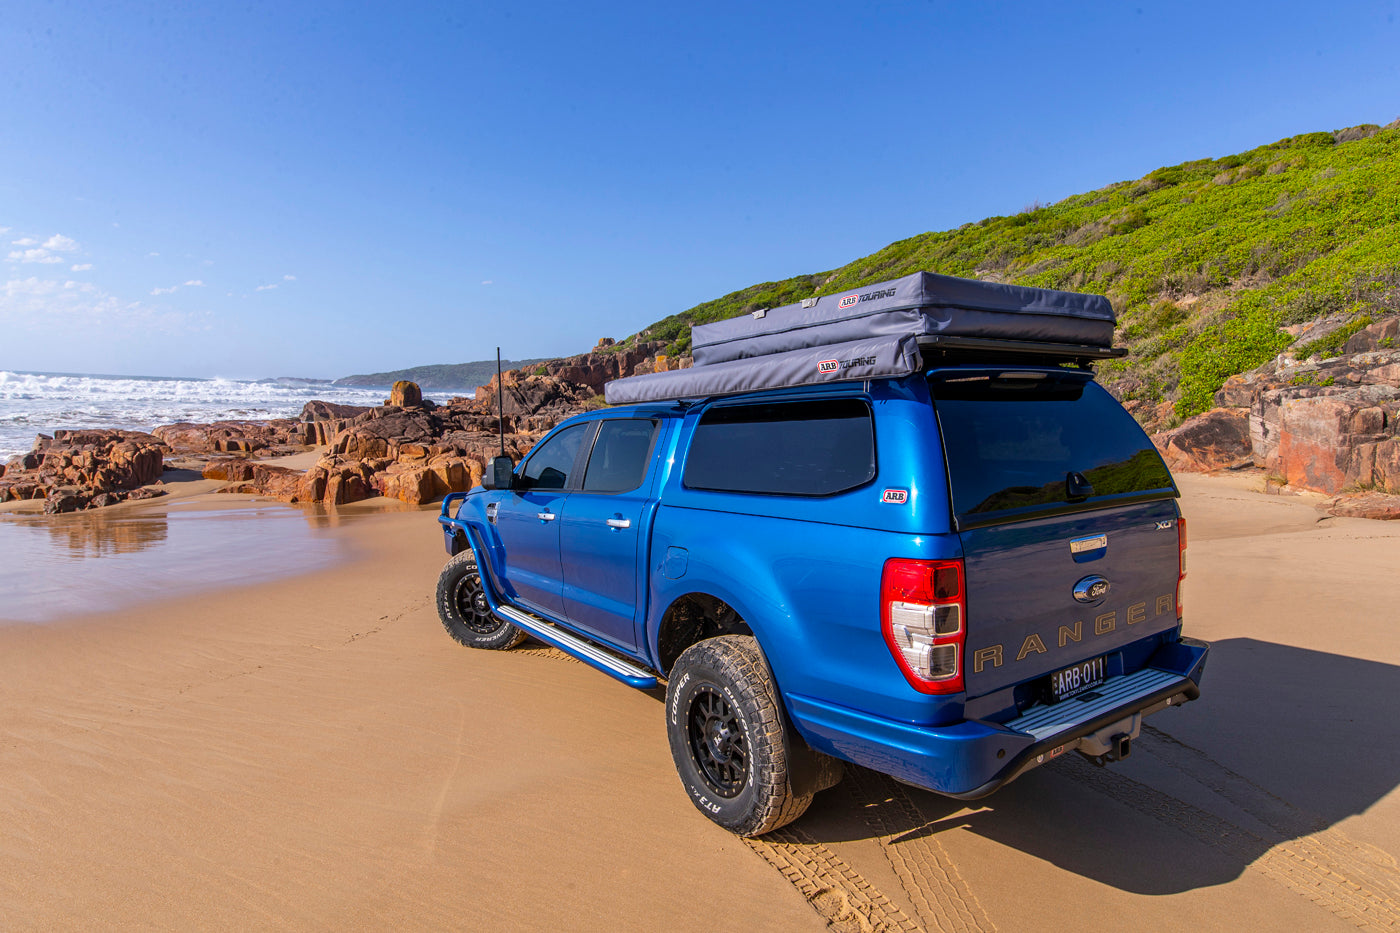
500	473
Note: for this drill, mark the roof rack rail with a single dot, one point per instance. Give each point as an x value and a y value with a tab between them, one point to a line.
1067	352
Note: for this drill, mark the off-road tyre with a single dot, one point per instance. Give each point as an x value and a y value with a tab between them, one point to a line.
463	609
728	737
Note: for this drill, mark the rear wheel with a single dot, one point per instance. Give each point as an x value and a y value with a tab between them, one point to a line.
725	726
465	614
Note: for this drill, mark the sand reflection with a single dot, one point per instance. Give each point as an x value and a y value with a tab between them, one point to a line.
65	565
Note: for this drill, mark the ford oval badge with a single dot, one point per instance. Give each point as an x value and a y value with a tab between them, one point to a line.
1091	589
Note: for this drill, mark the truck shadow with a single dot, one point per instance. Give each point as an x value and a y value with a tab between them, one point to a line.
1285	743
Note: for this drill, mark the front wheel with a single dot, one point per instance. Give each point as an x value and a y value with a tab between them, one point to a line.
465	614
727	738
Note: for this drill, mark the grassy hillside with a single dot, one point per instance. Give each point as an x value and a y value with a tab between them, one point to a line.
460	376
1205	261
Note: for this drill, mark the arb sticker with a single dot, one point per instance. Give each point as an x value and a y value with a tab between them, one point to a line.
848	301
828	366
896	496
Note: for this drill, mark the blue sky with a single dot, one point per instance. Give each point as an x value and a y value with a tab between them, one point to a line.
269	189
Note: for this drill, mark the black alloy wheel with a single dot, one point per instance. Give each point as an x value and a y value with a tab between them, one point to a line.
464	610
717	742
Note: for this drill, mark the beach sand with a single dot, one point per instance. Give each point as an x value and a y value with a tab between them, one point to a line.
315	753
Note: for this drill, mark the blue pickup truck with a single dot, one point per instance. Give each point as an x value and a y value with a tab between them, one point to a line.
901	527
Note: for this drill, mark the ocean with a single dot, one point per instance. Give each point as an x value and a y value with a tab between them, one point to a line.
37	403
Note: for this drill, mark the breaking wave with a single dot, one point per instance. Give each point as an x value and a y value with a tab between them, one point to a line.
37	403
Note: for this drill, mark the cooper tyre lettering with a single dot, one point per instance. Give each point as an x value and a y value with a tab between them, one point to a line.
727	737
463	609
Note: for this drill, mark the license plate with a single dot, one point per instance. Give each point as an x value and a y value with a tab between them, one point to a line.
1077	678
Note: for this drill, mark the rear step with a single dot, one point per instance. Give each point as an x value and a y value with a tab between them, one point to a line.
1044	721
574	646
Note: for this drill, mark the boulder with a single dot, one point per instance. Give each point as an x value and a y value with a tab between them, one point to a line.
63	500
405	394
1215	440
145	492
1367	505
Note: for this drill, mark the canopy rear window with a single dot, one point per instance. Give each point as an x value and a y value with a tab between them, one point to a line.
1023	443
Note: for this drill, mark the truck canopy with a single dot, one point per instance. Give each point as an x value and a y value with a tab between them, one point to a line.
877	331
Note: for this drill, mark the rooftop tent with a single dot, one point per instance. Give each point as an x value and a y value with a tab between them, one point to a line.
872	332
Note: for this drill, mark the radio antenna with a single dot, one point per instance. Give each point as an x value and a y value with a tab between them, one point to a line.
500	403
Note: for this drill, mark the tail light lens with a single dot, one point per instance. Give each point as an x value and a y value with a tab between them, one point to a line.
923	613
1181	572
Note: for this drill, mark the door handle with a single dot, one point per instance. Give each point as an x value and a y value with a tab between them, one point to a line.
546	516
619	523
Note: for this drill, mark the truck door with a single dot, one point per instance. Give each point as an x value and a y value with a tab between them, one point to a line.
602	535
528	519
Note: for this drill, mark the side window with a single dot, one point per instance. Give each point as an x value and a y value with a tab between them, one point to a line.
814	448
619	459
549	466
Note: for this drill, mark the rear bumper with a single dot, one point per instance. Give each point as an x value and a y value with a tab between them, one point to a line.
971	759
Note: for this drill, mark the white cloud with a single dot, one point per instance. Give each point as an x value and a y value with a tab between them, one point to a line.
4	230
164	291
83	267
39	304
264	288
487	282
195	283
34	255
152	255
61	243
27	241
289	278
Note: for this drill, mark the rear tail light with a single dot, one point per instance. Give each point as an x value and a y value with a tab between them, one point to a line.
1181	570
923	614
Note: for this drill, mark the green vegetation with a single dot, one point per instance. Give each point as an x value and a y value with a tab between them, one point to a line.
1204	261
461	376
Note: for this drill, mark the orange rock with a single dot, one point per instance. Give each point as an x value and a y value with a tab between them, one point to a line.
405	394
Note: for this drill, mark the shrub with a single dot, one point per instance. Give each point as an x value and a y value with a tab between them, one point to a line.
1332	344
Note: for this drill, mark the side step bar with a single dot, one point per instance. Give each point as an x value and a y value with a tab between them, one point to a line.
547	632
571	644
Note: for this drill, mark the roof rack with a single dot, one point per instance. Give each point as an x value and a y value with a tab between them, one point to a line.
1044	352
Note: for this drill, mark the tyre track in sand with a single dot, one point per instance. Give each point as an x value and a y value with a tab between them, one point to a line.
1353	881
928	876
841	895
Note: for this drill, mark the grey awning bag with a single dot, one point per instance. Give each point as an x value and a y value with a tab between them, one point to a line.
922	304
856	359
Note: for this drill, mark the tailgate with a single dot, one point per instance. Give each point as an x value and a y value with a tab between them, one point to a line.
1023	619
1067	516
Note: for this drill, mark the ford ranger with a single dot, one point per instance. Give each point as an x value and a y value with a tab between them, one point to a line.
901	527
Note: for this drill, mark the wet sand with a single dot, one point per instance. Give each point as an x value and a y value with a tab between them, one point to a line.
315	753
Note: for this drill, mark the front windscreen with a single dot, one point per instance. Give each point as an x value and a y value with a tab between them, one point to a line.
1023	443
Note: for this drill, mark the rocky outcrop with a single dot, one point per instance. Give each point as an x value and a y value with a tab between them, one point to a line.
325	420
596	368
534	404
1216	440
409	449
1331	426
236	436
1375	505
72	468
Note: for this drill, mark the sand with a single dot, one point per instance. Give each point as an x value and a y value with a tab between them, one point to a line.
316	753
